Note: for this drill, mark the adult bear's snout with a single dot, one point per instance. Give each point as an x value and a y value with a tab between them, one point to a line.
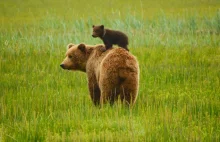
62	66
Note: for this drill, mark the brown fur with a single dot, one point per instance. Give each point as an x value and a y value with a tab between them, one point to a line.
111	74
110	37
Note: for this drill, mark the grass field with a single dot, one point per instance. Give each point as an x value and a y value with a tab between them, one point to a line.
177	44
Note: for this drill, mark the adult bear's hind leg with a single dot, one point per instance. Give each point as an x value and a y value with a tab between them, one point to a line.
129	89
109	88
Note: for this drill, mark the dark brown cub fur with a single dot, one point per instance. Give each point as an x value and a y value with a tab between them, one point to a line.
110	37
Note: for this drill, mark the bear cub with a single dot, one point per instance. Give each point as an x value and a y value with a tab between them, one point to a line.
110	37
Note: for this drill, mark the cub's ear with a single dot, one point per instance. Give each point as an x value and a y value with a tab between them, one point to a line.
102	26
70	45
93	26
82	47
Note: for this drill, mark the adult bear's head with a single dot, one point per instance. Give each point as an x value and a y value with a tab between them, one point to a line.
76	57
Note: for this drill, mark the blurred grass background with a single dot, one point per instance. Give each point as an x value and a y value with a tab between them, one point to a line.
147	23
177	45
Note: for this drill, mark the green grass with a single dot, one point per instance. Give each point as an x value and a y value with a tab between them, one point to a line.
178	48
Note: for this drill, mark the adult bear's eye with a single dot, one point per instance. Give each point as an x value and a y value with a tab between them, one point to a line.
70	56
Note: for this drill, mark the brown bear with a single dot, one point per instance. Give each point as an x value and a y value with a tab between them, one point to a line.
110	37
111	74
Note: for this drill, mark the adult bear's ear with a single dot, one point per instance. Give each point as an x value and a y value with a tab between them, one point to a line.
70	45
82	47
102	26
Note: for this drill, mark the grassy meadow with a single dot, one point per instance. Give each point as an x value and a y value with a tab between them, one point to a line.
177	44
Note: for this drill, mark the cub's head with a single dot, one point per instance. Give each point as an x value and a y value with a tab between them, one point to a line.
98	31
76	57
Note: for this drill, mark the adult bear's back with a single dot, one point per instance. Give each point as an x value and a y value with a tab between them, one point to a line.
119	74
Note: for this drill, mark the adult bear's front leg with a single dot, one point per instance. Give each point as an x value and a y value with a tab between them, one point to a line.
94	92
